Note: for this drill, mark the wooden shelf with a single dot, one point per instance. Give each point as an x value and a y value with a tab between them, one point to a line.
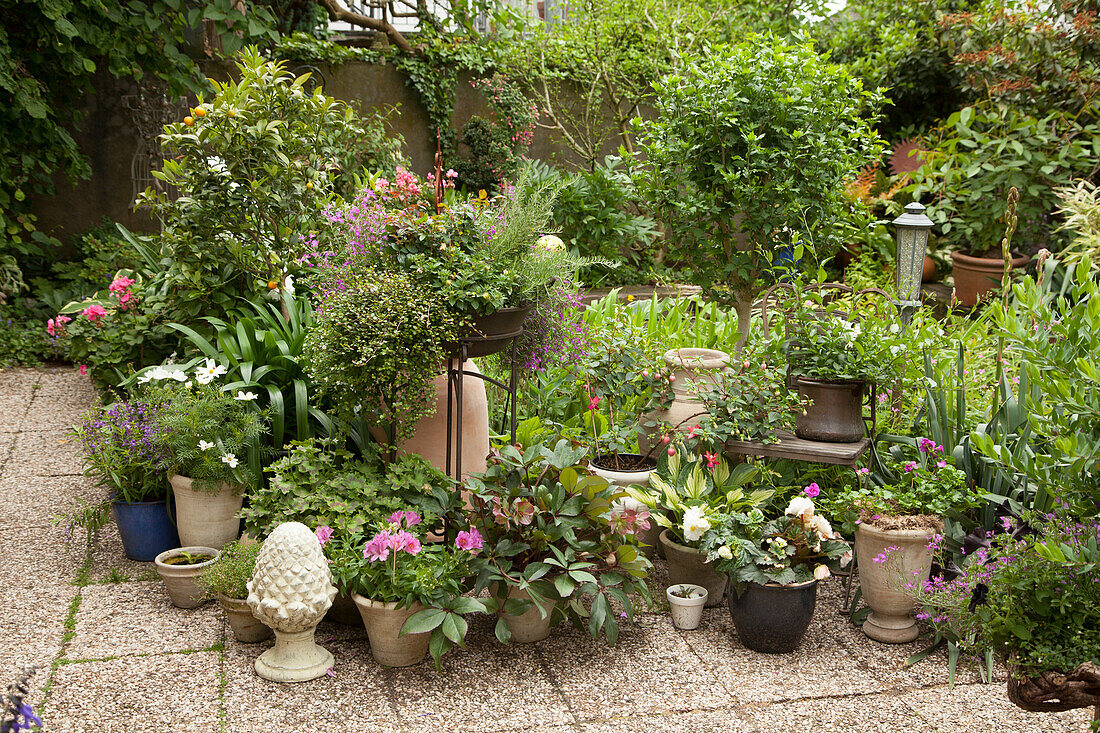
797	449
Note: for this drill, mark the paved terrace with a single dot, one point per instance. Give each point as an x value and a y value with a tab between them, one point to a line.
118	657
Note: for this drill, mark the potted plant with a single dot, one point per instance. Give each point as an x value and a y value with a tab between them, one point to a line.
684	496
555	545
774	567
834	357
902	508
686	603
227	580
124	453
321	485
405	277
208	433
1027	596
747	157
179	568
408	590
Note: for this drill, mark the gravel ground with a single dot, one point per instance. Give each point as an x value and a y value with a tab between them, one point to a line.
117	656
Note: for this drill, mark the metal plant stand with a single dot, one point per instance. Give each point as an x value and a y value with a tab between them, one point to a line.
473	347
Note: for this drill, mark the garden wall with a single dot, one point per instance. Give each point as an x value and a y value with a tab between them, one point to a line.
109	139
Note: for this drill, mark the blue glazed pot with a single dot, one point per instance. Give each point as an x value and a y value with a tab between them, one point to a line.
145	527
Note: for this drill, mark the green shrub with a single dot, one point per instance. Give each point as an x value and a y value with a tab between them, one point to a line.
230	573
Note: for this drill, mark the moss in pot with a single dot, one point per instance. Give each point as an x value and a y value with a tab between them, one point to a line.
227	581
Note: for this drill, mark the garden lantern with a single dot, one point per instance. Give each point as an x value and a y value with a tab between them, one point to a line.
913	228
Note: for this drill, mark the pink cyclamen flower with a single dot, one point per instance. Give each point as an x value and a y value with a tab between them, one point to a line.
812	490
712	459
94	313
324	534
471	541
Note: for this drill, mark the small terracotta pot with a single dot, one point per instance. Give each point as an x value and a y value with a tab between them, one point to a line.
530	626
883	583
686	565
686	612
179	580
773	618
245	627
928	273
836	414
383	622
977	277
206	519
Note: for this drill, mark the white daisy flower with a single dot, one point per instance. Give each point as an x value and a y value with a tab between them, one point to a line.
209	372
230	460
205	445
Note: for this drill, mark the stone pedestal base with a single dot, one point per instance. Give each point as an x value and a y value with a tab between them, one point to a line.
294	658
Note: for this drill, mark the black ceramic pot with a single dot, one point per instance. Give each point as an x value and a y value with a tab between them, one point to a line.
772	618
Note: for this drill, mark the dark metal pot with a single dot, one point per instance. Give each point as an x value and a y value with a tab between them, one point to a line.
493	333
836	415
772	618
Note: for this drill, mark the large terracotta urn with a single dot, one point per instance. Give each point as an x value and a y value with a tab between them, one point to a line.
430	438
977	277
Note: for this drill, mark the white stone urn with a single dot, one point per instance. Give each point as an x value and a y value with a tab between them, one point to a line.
887	560
690	367
290	591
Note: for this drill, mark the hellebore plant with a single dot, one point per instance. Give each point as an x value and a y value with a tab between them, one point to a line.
396	563
552	529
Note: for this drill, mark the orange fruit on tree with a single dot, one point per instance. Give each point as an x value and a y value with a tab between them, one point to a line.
200	112
188	120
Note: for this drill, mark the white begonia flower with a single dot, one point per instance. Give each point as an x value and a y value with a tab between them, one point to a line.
800	507
205	445
695	524
245	396
725	552
777	543
230	460
821	572
846	559
178	375
822	527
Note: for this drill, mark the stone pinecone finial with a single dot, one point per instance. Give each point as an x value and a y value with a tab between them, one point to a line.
291	586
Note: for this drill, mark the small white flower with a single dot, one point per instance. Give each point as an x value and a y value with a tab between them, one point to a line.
245	396
821	572
725	552
178	375
209	372
230	460
800	507
288	284
822	527
777	543
695	524
206	445
846	559
894	328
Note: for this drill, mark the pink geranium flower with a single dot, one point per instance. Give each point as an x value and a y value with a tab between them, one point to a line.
405	542
470	541
324	534
812	490
95	313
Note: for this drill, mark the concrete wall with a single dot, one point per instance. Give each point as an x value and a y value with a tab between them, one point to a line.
110	140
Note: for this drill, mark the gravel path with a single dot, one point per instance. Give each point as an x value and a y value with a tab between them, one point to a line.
117	656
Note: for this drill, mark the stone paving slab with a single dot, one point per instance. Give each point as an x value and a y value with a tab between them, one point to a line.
984	708
724	720
169	693
32	625
122	619
500	686
13	410
50	414
356	698
39	556
859	714
651	669
109	562
21	382
33	501
43	453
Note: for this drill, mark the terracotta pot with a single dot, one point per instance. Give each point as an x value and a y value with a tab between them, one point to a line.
647	538
689	366
836	415
976	277
430	438
344	611
208	519
883	583
773	618
928	273
246	627
686	612
530	626
687	565
384	622
179	580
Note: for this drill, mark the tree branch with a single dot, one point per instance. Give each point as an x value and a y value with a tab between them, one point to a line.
337	12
